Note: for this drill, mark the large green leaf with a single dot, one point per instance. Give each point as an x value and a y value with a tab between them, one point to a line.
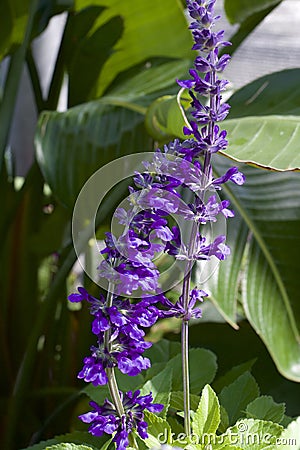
145	86
269	208
13	27
224	288
238	11
264	122
16	14
71	146
277	93
90	51
151	28
271	142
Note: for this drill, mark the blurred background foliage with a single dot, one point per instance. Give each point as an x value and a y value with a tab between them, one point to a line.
118	62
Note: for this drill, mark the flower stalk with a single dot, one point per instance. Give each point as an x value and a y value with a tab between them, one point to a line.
128	261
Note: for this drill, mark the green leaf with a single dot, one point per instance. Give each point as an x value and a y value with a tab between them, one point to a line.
91	52
158	429
203	367
164	118
277	93
160	387
277	133
232	374
14	26
177	401
68	447
206	420
265	408
144	86
224	420
224	288
278	136
238	11
254	434
270	264
151	29
235	397
76	438
290	438
72	145
162	351
273	97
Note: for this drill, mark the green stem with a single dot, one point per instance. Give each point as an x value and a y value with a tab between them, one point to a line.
186	376
185	333
114	390
12	83
110	372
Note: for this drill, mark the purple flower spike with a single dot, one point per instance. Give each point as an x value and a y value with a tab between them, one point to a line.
105	419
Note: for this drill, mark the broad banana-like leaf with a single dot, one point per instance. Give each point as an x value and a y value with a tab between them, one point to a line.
72	145
152	28
263	269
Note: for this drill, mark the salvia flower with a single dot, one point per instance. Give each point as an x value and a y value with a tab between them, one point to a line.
178	309
125	353
106	420
206	212
129	260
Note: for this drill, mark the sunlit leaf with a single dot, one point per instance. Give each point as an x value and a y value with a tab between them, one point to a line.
207	417
147	25
270	142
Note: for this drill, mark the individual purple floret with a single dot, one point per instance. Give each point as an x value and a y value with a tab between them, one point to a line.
206	212
105	419
178	309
